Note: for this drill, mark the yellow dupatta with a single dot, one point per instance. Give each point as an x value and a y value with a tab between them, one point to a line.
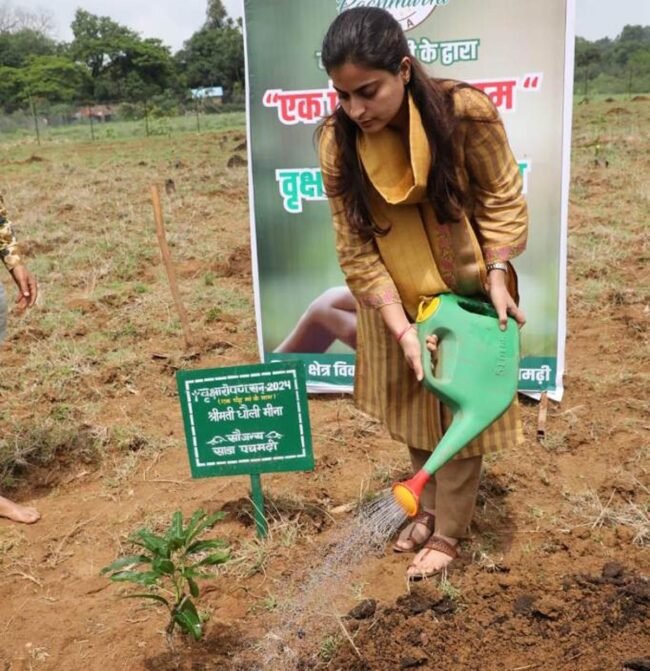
423	257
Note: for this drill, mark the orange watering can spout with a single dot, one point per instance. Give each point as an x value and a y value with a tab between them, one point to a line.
476	377
407	493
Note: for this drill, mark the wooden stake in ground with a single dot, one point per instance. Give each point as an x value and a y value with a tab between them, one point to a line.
169	266
541	417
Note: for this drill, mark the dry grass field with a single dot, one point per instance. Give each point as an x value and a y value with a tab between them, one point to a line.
92	434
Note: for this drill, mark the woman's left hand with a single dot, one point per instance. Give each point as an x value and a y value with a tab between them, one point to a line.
503	302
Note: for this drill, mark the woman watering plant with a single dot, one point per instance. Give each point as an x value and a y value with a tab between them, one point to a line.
27	291
426	199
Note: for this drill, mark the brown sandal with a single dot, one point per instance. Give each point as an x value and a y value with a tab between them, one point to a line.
429	521
440	545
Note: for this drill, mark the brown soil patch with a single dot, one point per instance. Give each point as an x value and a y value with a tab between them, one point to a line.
550	623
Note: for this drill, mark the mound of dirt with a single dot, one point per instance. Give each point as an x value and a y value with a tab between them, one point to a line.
579	622
237	265
236	161
34	158
618	110
280	508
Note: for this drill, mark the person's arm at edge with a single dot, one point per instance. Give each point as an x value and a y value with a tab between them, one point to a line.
25	281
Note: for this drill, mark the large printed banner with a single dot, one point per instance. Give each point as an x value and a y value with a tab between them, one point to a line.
518	53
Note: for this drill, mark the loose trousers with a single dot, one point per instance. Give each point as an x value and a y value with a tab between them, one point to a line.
450	492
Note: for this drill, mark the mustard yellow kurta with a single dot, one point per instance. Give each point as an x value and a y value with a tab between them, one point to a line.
419	256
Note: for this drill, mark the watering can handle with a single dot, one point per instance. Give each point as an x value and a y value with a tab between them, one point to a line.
430	380
428	312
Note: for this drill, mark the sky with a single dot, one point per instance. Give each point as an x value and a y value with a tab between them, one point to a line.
174	21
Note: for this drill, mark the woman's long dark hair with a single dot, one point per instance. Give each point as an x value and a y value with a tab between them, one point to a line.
372	38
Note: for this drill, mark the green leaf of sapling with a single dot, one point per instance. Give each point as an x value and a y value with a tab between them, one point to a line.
162	565
188	618
123	562
194	588
199	546
207	523
214	559
175	536
151	542
139	577
197	516
153	597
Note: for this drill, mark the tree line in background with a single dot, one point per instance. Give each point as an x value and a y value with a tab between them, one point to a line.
106	62
621	65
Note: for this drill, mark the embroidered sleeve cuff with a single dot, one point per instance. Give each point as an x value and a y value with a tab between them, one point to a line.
503	254
377	300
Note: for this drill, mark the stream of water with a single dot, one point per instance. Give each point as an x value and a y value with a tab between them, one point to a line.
309	615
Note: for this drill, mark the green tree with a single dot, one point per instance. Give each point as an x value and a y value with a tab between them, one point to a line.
98	41
10	88
53	78
17	47
587	58
638	71
586	53
214	57
614	66
638	34
144	69
216	16
639	62
121	64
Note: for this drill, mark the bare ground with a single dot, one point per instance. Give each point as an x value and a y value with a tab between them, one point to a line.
556	574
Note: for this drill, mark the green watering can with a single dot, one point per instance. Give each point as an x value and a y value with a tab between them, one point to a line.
476	377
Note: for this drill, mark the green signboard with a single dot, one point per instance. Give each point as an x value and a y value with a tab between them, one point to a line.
246	419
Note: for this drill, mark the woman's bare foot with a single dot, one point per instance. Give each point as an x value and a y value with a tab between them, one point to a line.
416	533
18	513
436	555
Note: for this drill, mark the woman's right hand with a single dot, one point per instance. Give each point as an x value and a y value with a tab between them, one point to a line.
413	352
27	287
